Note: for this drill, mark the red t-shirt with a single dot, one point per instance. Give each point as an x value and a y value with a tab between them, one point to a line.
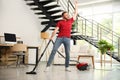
65	27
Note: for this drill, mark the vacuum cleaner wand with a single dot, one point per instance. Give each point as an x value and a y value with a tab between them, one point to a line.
33	71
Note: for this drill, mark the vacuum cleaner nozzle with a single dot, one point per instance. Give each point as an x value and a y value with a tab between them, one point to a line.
32	72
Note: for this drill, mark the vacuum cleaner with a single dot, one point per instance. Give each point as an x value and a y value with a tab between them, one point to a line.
80	67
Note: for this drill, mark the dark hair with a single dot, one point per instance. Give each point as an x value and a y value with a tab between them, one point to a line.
64	12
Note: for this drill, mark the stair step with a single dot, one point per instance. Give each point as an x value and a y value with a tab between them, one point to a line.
39	13
45	2
43	18
53	12
35	8
31	4
56	16
51	3
28	0
52	17
74	32
86	36
75	37
51	7
50	12
46	22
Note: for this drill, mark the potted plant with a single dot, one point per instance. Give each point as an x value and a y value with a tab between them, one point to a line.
104	46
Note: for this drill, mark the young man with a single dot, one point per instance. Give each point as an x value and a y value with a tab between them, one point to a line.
64	26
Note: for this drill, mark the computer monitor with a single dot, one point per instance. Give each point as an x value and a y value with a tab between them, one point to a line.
10	38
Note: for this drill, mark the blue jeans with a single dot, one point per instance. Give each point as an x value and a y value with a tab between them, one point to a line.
58	42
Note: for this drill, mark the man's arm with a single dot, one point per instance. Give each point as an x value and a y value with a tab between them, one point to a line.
76	10
54	32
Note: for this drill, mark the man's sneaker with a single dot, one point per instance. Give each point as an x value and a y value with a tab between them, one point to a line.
67	69
47	69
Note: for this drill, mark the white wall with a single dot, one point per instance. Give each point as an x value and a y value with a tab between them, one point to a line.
16	17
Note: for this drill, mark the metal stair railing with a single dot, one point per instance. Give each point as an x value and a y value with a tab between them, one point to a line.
92	28
85	27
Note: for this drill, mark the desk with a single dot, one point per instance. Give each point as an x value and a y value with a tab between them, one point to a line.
4	51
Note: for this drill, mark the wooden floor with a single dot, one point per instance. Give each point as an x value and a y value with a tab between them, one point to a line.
57	72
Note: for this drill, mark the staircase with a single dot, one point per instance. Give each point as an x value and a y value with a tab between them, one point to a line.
87	30
49	19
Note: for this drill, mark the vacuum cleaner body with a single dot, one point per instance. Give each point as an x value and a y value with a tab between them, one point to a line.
82	66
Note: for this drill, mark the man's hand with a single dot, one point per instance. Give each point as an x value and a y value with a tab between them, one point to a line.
76	2
50	38
76	10
53	33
